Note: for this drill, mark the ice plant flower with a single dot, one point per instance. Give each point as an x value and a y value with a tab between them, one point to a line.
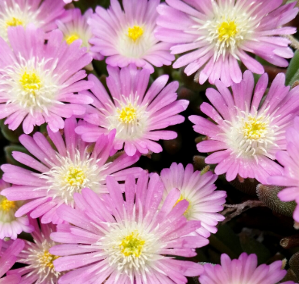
7	259
246	132
37	83
41	13
58	174
199	191
11	226
289	160
243	270
78	28
131	242
39	267
214	35
136	114
127	36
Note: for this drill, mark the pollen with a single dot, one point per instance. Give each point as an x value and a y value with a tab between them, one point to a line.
127	114
135	32
226	31
7	205
14	22
132	245
71	38
46	259
254	128
75	176
30	82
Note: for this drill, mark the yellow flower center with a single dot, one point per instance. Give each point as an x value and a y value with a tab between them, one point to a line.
46	259
30	81
13	22
132	245
254	128
71	38
127	114
135	32
182	197
227	30
7	205
75	176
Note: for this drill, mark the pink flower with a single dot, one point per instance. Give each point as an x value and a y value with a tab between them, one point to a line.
214	35
58	174
133	241
39	268
243	270
246	131
199	191
128	36
8	259
289	160
11	226
136	113
38	80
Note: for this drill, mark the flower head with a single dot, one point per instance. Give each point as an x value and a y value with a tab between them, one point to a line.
36	82
199	191
243	270
131	242
136	114
128	36
214	35
8	258
247	131
289	160
41	13
61	173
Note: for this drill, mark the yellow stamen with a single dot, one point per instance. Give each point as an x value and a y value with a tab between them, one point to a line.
30	81
7	205
253	128
75	176
132	245
127	114
13	22
227	30
71	38
135	32
46	259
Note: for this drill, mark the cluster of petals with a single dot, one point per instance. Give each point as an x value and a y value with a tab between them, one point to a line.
38	80
126	37
132	241
215	34
10	225
138	114
199	190
8	257
247	130
289	159
39	268
243	270
58	174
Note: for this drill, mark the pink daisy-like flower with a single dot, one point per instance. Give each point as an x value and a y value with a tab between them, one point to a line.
59	174
289	160
41	13
133	241
11	226
128	36
199	191
78	28
38	80
243	270
40	267
136	113
8	259
215	34
247	131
